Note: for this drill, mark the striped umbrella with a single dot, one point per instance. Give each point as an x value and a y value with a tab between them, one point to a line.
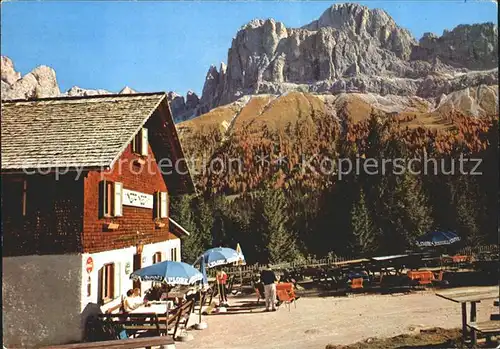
437	238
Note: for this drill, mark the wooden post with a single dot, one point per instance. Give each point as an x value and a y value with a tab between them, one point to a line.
464	321
201	305
166	317
241	279
473	319
218	288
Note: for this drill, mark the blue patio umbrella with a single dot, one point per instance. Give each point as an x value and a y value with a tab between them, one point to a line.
169	272
437	238
220	256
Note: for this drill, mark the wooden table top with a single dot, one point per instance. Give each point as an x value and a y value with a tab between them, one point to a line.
155	308
470	294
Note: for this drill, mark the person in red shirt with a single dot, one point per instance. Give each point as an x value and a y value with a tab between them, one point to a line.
222	280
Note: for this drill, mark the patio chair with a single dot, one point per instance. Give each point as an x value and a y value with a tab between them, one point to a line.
285	297
356	283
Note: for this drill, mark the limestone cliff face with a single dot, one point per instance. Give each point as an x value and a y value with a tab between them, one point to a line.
351	48
41	82
183	108
471	46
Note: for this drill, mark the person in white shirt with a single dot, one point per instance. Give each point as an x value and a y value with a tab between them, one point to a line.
133	300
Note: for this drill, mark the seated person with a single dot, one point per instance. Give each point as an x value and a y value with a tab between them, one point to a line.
133	300
164	292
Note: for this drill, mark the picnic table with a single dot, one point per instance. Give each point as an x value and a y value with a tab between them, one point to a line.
153	319
472	295
157	307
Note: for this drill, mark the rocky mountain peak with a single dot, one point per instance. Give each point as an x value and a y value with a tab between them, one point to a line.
351	48
366	23
40	82
471	46
9	74
78	91
127	90
183	108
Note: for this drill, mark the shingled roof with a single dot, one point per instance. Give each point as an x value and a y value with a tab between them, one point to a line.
88	132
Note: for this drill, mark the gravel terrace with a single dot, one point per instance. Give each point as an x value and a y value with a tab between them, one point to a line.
318	321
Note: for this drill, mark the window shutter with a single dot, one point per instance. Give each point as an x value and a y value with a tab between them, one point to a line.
118	204
133	144
102	199
117	280
144	141
25	187
156	205
163	205
100	285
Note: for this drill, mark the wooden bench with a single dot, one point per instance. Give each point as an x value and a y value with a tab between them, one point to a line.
497	315
180	318
488	328
139	324
460	259
390	284
208	295
131	343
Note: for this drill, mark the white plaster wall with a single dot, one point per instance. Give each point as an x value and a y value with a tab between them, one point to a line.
121	258
45	299
41	300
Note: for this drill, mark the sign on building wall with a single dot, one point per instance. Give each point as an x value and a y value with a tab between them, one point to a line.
128	268
137	199
89	266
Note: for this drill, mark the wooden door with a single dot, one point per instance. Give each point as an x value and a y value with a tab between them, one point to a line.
137	266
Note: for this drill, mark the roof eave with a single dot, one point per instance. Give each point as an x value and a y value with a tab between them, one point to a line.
179	227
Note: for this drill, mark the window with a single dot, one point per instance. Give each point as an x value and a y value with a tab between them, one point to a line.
89	287
161	203
173	254
157	257
107	278
14	192
140	142
111	197
25	189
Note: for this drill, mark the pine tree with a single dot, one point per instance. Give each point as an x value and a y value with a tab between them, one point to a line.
418	212
186	211
364	232
465	201
278	243
409	213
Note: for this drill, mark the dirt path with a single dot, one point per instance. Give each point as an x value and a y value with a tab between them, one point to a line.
318	321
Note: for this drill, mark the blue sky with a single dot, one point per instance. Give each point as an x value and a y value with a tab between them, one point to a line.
164	46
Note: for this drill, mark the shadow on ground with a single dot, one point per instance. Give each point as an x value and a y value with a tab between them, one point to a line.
431	338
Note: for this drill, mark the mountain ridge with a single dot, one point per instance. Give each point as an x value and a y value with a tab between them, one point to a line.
351	48
348	49
42	82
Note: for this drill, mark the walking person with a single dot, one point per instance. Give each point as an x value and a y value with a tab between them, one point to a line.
269	279
222	281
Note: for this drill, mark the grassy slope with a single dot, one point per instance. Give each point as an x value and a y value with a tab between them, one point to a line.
301	123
